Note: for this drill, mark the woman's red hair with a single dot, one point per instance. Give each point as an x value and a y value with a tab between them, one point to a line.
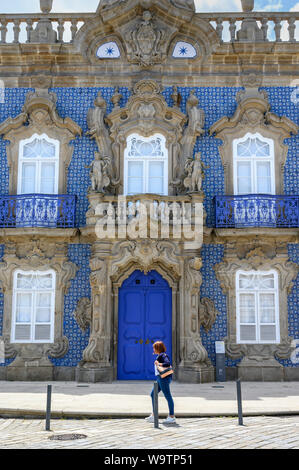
159	347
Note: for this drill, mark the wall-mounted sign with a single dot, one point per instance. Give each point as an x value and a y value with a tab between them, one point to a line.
108	50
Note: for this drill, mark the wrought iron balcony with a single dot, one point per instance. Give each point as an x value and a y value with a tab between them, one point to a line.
38	210
257	210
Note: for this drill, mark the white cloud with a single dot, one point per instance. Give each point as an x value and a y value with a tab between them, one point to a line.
295	7
272	5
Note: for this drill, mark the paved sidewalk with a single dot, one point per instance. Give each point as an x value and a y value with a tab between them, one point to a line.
131	399
192	433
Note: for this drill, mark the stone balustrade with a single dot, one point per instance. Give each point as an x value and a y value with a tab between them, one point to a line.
21	28
272	27
230	27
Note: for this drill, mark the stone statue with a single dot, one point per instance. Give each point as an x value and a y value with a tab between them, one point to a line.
196	116
99	173
196	119
195	175
187	4
97	127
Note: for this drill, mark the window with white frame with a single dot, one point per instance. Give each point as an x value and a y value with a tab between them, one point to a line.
33	307
38	165
146	165
254	169
257	307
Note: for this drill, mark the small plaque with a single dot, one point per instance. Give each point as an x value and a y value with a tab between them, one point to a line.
220	347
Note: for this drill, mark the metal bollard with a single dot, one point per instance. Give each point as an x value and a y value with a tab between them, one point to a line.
239	398
48	412
156	405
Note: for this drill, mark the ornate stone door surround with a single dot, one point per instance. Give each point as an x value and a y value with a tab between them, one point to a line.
111	264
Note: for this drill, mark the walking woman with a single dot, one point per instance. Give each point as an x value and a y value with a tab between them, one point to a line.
162	361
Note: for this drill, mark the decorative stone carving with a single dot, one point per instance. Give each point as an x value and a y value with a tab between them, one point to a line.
39	116
59	348
82	313
42	256
145	42
253	115
207	313
257	355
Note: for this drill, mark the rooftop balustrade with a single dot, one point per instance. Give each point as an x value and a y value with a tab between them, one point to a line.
230	27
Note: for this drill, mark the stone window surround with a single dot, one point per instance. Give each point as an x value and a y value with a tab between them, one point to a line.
256	260
40	256
253	116
239	159
23	160
163	159
40	113
15	291
257	324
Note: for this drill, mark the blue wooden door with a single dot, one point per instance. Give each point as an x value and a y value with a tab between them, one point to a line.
145	316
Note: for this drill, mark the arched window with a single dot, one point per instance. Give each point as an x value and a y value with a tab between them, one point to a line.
254	169
33	307
146	165
257	307
38	165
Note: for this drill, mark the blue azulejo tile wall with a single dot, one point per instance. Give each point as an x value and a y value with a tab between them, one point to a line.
212	255
216	103
80	287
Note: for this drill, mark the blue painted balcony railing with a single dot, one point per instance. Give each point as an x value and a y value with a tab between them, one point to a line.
38	210
257	210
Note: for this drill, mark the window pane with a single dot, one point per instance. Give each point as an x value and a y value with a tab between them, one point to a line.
28	178
42	332
156	177
48	178
244	178
140	148
248	333
24	281
47	149
263	177
268	333
44	281
267	308
23	308
247	282
135	177
23	333
247	308
135	169
266	281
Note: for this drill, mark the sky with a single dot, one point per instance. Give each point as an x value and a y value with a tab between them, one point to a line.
32	6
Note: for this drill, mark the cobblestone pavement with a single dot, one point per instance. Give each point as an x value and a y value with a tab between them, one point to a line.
193	433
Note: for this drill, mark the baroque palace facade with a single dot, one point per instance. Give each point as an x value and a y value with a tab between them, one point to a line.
149	190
